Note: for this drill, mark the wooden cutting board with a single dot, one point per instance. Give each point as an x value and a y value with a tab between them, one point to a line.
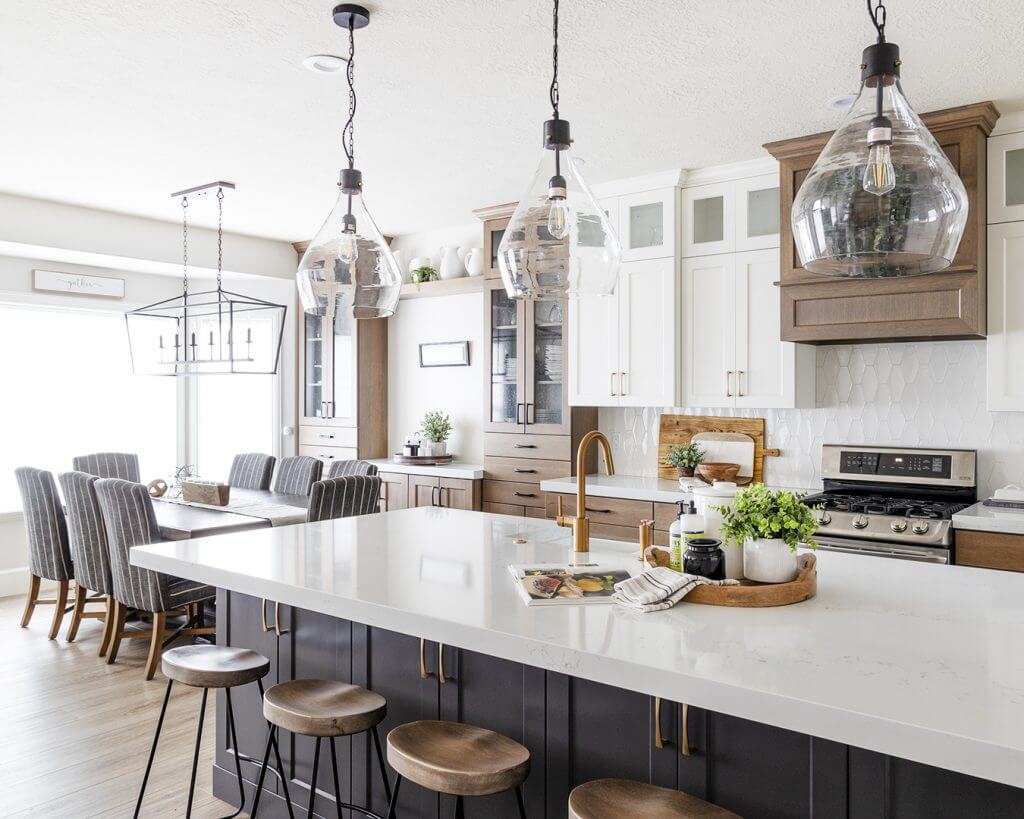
680	429
729	448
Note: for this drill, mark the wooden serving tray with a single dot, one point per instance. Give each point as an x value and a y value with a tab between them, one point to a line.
422	460
750	594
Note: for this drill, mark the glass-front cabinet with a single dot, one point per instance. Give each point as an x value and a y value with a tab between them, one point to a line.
328	364
731	217
526	364
1006	178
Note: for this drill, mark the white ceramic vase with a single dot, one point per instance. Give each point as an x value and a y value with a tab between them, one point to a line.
451	263
475	261
769	561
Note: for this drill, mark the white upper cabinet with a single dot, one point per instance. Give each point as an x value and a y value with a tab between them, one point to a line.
1005	341
1006	178
647	224
734	355
736	215
623	350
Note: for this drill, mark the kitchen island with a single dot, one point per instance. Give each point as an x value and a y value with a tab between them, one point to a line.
898	690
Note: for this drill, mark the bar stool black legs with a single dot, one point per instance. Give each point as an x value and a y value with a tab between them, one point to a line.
460	810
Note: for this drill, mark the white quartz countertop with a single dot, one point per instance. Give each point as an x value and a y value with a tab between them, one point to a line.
990	519
916	660
630	487
456	469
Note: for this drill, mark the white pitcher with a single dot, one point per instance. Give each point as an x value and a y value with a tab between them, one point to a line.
451	262
475	261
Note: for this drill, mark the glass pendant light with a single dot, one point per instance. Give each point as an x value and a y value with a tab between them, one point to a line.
558	242
348	265
882	199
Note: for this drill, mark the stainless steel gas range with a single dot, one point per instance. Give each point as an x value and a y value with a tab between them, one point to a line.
893	502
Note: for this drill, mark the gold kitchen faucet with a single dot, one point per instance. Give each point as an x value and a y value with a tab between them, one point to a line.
580	524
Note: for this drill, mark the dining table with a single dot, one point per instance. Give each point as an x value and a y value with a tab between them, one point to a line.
246	509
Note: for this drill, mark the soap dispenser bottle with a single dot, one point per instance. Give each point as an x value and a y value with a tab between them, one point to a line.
686	527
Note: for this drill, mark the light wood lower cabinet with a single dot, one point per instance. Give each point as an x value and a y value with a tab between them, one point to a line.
394	491
450	493
990	550
512	492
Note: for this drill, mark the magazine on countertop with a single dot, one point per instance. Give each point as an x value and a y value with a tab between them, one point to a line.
558	584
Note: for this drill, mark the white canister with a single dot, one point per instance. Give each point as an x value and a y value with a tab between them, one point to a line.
721	493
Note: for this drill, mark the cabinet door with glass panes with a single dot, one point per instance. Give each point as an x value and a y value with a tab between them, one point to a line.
728	217
328	364
646	224
547	402
504	330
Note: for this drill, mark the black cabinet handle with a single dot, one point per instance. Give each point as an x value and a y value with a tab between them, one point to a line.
599	511
525	494
524	471
530	416
524	446
435	496
519	419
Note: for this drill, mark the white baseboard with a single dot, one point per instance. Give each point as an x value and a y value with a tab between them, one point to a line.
14	582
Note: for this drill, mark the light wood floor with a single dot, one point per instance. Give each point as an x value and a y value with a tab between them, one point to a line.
75	732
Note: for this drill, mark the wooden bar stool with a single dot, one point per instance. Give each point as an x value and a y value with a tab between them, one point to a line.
206	667
457	759
323	709
615	798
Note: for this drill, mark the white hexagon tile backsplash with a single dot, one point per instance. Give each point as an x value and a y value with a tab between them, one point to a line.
923	394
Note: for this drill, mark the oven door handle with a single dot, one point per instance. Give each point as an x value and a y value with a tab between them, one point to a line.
881	551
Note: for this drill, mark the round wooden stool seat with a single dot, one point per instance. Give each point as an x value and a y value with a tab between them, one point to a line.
615	798
450	757
323	708
206	666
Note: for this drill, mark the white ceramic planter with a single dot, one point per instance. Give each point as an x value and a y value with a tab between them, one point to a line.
437	449
769	561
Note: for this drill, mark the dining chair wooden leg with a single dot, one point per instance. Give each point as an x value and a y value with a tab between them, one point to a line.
156	642
117	627
81	595
30	601
59	604
108	626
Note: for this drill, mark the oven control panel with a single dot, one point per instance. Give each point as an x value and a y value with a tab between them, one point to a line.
903	464
939	467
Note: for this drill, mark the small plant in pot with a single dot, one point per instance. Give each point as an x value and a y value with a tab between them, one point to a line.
769	525
423	274
437	427
685	458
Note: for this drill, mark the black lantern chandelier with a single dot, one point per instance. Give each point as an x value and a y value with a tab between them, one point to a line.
348	265
211	332
882	199
558	242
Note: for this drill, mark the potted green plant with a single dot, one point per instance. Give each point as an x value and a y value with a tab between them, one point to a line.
685	458
769	525
423	274
437	426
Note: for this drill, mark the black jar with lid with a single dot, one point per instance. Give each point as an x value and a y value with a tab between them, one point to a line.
704	557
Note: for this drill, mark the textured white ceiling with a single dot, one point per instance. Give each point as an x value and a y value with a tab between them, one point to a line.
115	103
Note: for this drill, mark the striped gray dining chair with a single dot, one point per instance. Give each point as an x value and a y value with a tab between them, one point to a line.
49	554
124	465
130	521
90	553
297	474
251	470
344	497
339	469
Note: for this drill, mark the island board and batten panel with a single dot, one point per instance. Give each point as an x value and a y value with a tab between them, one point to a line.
948	304
891	693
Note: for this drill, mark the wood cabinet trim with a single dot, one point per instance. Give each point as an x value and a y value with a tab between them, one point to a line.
990	550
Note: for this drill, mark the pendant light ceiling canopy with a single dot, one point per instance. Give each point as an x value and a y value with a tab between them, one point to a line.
210	332
348	265
558	242
882	199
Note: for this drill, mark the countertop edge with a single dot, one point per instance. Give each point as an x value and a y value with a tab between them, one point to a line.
972	519
456	469
925	745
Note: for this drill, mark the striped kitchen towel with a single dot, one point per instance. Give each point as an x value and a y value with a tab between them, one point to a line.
660	588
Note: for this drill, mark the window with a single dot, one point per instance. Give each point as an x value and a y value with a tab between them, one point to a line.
234	413
69	390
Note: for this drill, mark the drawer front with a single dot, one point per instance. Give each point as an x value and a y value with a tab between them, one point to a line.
534	511
505	509
613	511
329	454
328	436
525	470
664	515
513	492
990	550
549	447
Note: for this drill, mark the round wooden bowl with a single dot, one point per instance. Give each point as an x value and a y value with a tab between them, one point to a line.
712	472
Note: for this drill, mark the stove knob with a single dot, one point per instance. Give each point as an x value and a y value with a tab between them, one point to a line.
824	519
899	525
860	522
920	527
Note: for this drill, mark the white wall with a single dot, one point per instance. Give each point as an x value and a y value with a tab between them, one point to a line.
458	391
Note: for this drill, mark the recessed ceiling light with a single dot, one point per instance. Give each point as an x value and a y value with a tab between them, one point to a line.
842	102
324	63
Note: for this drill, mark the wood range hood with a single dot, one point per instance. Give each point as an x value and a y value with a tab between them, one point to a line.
949	304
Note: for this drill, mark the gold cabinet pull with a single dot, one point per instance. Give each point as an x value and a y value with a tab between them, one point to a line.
684	737
263	615
424	674
440	664
280	632
276	628
728	383
623	383
659	740
611	385
739	383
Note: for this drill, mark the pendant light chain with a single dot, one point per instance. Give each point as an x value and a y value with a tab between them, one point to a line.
220	235
553	93
877	13
348	133
184	244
